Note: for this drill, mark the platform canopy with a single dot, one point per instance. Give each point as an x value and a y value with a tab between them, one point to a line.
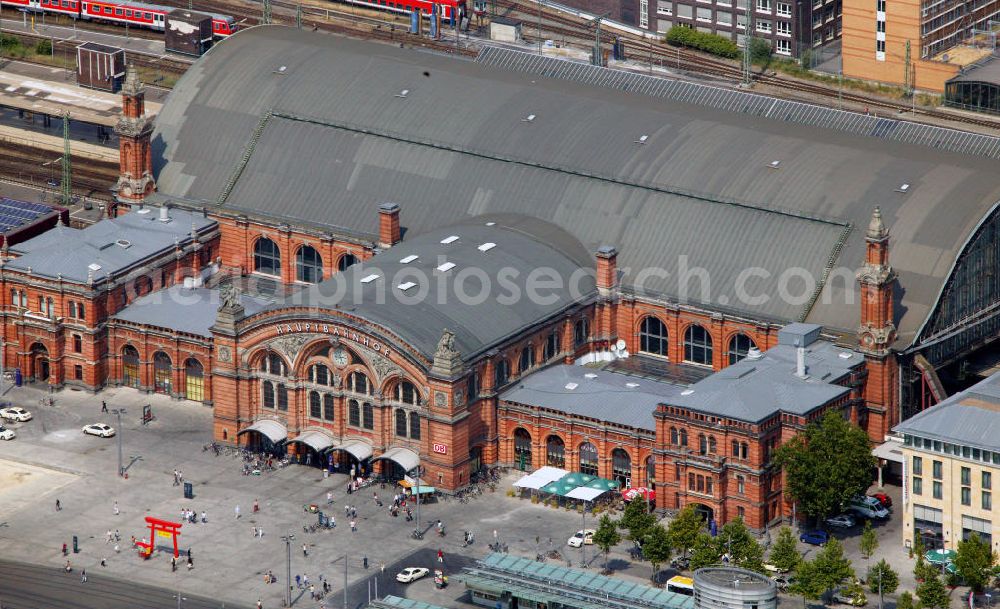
273	430
316	440
404	457
359	449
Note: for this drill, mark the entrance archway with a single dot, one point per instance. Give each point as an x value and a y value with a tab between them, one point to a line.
353	456
39	362
522	449
194	380
130	367
476	464
312	446
162	373
621	467
707	514
399	463
266	435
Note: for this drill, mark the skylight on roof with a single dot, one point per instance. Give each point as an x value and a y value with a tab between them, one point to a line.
631	385
409	259
406	285
491	224
687	392
571	386
369	278
590	375
642	139
486	247
445	267
449	239
845	355
94	266
903	188
528	119
774	164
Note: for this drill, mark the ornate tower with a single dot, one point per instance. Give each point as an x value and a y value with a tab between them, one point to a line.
134	129
877	332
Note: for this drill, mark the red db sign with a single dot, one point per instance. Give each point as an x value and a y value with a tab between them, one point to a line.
441	449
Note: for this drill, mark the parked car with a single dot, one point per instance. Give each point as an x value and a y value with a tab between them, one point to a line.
781	581
411	574
99	429
867	507
883	499
773	569
581	537
851	596
815	538
15	413
7	434
843	521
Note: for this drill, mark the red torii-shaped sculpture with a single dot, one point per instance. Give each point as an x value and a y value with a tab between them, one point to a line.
163	527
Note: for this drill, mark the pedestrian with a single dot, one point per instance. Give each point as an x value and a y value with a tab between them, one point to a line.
104	407
204	517
58	505
180	476
118	549
440	555
190	562
305	550
354	526
347	509
298	581
333	522
83	576
260	533
173	564
256	506
329	497
110	537
259	606
118	536
104	562
305	580
253	531
65	550
176	479
117	511
237	510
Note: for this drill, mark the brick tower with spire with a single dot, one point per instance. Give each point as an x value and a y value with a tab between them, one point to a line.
134	129
877	332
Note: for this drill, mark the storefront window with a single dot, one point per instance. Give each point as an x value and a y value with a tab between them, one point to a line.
555	452
588	459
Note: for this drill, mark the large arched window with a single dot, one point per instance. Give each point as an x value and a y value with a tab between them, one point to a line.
588	459
501	373
522	448
194	380
162	378
711	445
320	374
315	405
580	331
266	257
407	393
267	394
282	397
328	407
308	265
345	261
368	416
414	425
621	467
674	438
650	472
702	444
697	345
130	367
359	383
551	346
353	413
273	364
739	345
555	451
401	423
653	336
527	359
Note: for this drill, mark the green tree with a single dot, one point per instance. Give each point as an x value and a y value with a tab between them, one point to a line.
736	541
760	50
826	464
637	520
932	593
44	47
684	529
869	540
905	600
785	553
882	580
974	562
705	553
657	548
606	537
828	570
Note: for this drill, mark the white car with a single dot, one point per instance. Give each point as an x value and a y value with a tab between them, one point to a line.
99	429
581	537
411	574
15	413
843	521
6	434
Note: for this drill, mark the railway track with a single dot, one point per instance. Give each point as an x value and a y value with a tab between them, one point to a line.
23	164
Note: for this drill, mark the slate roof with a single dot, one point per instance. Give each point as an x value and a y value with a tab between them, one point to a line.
456	299
188	310
599	394
324	142
970	417
113	245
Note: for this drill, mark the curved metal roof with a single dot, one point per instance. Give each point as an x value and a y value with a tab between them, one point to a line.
327	138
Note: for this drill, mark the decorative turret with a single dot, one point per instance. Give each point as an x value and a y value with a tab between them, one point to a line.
134	129
877	331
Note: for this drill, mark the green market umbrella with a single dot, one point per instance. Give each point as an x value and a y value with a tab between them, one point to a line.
938	557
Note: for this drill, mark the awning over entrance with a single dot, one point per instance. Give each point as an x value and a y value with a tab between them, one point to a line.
889	451
404	457
360	450
275	431
315	440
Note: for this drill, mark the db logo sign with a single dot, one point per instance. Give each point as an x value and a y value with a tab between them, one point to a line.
441	449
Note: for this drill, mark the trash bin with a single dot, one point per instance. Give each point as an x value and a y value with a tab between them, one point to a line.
76	546
188	490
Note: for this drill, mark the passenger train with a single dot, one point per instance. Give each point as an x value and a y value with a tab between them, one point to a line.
449	8
120	12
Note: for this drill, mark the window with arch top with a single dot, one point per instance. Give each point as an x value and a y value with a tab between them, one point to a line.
527	359
501	374
273	364
266	257
354	413
367	416
345	261
653	336
359	383
697	345
739	346
407	393
308	265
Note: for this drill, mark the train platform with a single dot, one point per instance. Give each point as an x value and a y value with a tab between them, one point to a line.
50	99
13	135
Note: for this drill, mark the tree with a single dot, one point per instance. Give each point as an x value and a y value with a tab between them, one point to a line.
785	553
882	580
657	548
705	553
905	600
828	570
826	464
974	562
932	593
869	540
637	520
684	529
744	551
606	537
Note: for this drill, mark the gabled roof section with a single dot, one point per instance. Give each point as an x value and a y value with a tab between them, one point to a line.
969	418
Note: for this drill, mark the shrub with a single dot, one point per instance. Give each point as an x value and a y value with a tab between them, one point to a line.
44	47
710	43
760	50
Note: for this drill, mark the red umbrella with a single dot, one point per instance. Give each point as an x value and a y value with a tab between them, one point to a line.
638	491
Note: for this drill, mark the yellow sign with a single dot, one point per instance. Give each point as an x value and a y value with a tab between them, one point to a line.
164	534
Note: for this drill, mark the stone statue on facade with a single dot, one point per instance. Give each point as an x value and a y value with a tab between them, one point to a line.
230	296
446	346
447	359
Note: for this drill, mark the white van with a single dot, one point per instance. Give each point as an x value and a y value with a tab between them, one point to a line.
867	507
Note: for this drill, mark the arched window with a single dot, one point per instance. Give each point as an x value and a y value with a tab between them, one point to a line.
650	472
522	448
414	425
588	459
345	261
473	385
711	445
697	345
621	467
684	437
359	383
368	416
555	452
580	332
267	394
320	374
328	407
354	413
130	367
702	444
744	450
308	265
551	346
407	393
273	364
401	423
162	377
266	257
674	438
736	449
501	373
739	345
315	405
653	336
143	285
194	380
527	359
282	397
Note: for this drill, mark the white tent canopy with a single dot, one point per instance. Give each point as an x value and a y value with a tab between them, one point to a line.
541	477
585	493
406	458
273	430
316	440
361	450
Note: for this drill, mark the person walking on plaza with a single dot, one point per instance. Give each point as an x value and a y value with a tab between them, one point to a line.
260	533
256	506
354	526
440	555
117	511
110	537
329	497
237	510
253	531
58	506
259	606
305	550
104	407
190	562
83	576
173	564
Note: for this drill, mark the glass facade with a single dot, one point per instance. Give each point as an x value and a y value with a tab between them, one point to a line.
974	96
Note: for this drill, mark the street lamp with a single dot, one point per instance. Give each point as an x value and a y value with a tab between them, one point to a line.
288	539
119	412
179	599
417	533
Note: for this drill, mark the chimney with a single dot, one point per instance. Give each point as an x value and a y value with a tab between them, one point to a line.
388	225
800	361
164	213
607	269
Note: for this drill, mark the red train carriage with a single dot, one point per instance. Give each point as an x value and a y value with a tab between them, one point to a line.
448	7
136	14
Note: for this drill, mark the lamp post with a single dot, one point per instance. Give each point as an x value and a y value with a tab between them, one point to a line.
417	472
119	412
288	539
